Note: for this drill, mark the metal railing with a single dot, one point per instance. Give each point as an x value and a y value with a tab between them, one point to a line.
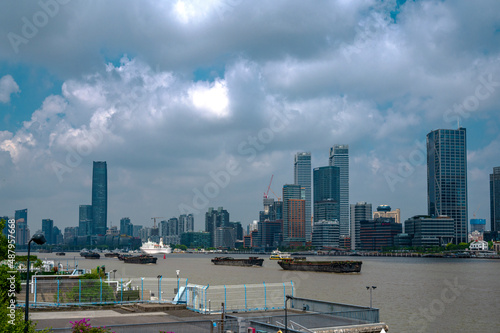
74	291
237	298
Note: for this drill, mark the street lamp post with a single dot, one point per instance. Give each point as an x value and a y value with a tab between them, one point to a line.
287	297
39	239
159	287
371	289
178	272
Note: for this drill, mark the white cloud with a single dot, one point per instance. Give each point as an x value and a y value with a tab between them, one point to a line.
7	87
203	77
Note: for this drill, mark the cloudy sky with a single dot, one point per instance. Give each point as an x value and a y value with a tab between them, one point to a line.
197	103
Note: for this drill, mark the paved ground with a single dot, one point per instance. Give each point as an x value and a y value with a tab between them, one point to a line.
118	316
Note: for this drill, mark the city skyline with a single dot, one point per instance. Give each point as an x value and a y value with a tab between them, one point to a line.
192	111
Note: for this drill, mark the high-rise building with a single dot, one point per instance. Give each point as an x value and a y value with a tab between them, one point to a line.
189	223
47	229
181	227
126	228
339	157
302	176
447	178
385	211
326	196
294	219
22	230
99	198
85	220
495	199
215	219
361	211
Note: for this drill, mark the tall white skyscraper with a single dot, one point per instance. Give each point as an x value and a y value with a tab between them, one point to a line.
339	157
302	176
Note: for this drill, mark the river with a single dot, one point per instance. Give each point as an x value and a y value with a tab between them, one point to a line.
413	294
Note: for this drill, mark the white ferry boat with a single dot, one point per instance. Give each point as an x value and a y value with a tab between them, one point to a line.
154	248
277	255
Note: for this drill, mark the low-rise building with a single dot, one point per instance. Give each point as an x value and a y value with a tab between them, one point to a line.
478	246
428	231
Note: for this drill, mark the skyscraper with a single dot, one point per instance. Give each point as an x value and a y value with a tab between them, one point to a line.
47	229
22	230
85	220
302	177
495	199
215	219
339	157
294	219
189	223
99	198
447	178
361	211
326	196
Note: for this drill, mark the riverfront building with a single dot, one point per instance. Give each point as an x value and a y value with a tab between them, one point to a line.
495	199
385	211
302	177
326	234
85	220
427	231
99	198
326	197
447	178
339	157
359	212
379	233
294	219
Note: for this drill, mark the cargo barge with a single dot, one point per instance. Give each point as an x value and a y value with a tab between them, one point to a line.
140	259
251	261
321	266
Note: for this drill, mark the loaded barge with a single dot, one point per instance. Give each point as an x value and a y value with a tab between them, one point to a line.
321	266
251	261
140	259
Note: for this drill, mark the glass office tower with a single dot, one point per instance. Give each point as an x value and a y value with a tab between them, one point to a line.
99	198
447	178
302	176
339	157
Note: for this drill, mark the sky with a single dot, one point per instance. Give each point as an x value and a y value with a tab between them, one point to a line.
198	103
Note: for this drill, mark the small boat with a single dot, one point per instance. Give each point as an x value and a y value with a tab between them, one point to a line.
277	255
140	259
251	261
321	266
111	255
60	254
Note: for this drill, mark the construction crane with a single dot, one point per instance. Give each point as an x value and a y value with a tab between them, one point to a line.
474	214
269	187
154	220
